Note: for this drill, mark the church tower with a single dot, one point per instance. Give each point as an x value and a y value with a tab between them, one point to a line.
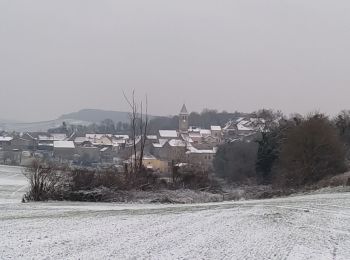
183	120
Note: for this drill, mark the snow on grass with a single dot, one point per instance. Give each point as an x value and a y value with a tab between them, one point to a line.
300	227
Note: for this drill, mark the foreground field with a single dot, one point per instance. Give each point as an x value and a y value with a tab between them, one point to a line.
303	227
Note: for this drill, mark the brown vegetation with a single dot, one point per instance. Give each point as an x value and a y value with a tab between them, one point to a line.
43	181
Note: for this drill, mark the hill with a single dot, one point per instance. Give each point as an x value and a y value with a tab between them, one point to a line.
97	115
38	126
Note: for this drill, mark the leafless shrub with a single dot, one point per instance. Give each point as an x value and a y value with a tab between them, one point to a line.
43	180
191	177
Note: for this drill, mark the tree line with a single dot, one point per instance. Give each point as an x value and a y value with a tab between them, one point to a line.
204	119
293	152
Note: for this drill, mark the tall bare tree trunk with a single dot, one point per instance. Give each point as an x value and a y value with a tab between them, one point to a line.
139	122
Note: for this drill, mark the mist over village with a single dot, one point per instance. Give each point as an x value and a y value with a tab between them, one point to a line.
175	130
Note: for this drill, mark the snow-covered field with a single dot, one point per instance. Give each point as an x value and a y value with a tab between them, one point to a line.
302	227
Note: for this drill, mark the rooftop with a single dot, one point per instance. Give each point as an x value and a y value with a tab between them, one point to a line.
184	110
161	143
63	144
168	133
177	143
192	149
5	138
215	128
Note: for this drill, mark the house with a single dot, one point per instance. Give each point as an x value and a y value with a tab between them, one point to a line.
100	139
205	132
174	149
151	162
5	142
21	143
157	148
58	137
201	158
107	154
88	154
196	137
230	129
80	140
216	131
64	150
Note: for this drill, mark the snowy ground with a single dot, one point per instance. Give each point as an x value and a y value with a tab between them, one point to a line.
303	227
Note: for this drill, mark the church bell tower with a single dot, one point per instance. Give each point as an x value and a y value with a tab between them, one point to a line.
183	120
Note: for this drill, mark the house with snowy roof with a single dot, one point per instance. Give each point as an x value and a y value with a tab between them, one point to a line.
202	158
5	142
64	150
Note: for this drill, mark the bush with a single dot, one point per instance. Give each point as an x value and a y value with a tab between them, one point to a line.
311	151
81	179
43	180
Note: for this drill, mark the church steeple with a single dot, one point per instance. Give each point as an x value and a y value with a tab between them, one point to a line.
184	110
183	119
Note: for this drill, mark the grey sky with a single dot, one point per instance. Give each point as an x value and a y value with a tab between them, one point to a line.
64	55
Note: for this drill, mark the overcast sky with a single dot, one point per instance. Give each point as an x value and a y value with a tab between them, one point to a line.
64	55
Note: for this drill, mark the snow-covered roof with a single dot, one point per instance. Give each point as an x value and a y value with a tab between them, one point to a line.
130	142
59	137
152	137
45	138
195	135
215	128
45	144
80	139
161	143
186	138
97	136
230	125
5	138
149	157
240	119
194	129
192	149
104	149
205	132
245	125
125	137
244	128
177	143
63	144
119	141
168	133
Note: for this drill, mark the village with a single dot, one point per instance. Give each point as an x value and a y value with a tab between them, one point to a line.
185	145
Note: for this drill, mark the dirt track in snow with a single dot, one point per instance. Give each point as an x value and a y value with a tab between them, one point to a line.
302	227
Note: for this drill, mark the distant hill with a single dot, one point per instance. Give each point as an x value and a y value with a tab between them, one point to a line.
38	126
82	117
96	116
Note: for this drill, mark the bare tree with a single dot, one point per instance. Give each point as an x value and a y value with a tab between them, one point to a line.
139	128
